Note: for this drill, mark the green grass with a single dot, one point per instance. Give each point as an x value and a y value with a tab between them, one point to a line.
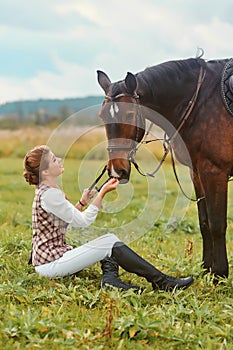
73	312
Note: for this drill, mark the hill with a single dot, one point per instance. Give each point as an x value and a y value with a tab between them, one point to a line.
43	111
51	106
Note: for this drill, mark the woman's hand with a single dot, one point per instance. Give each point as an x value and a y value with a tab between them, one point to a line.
111	185
87	196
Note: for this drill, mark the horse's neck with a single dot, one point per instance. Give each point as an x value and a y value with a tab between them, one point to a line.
165	92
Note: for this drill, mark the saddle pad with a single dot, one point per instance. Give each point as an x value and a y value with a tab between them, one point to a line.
227	86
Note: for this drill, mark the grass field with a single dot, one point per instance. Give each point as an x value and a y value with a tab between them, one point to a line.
73	312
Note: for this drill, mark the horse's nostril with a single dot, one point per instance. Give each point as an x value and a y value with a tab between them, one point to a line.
123	175
122	172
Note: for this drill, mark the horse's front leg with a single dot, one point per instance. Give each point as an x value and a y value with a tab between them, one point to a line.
203	222
215	183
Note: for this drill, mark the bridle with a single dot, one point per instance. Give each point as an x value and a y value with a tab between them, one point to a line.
139	121
166	140
132	148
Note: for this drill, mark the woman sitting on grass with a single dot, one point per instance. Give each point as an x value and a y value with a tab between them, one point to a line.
51	215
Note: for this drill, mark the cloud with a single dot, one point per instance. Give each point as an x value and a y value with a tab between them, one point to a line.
216	37
53	48
69	80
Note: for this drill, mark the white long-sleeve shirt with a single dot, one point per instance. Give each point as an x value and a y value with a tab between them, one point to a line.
53	201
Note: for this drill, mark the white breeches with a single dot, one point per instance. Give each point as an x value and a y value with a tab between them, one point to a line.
79	258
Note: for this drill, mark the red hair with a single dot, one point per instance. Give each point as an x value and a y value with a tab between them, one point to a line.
35	161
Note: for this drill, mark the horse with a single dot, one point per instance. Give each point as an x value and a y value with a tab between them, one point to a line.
195	96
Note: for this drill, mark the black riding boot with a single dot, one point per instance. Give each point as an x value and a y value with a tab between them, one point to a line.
110	270
132	262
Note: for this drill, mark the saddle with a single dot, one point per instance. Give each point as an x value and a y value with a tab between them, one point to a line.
227	86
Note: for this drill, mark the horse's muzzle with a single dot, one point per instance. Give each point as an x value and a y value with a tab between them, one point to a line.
121	174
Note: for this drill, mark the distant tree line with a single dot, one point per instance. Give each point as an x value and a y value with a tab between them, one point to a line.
48	111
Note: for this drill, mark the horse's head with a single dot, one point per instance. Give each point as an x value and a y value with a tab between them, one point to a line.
124	123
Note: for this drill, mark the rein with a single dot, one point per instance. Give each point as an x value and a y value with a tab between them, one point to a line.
93	185
167	141
184	118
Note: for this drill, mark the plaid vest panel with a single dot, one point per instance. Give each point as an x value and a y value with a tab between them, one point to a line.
49	233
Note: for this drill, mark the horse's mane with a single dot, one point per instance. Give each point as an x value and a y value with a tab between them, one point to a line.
151	75
165	73
169	71
177	67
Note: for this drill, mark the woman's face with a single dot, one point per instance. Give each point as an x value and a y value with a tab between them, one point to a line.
55	167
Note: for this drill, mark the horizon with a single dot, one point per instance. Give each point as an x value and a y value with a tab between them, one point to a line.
51	99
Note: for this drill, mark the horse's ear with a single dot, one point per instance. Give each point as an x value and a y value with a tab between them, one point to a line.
131	83
103	80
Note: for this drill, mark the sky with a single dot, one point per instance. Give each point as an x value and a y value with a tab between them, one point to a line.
53	48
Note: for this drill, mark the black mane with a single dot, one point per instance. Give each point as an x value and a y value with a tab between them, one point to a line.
149	78
167	73
168	76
